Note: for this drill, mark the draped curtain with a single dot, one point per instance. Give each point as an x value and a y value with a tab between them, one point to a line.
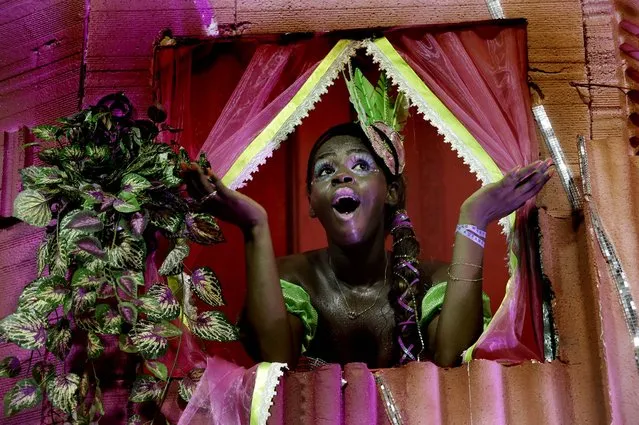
479	75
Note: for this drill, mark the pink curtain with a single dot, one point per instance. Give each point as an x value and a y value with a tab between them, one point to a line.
480	74
273	76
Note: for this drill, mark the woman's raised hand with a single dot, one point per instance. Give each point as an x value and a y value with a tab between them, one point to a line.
497	200
224	203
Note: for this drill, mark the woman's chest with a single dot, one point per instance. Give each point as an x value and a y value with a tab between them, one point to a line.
354	327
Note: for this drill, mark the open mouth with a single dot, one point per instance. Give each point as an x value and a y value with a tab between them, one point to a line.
345	203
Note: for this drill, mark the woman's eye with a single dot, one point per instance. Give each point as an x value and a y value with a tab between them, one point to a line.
324	171
361	166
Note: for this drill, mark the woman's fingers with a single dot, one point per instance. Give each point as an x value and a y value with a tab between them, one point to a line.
216	182
198	184
524	175
532	186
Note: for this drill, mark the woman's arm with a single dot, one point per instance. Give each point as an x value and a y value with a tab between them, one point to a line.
459	323
276	332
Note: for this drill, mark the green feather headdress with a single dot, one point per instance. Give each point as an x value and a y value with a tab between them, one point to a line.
382	117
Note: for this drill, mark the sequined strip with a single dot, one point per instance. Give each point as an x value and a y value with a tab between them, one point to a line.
610	255
557	153
583	165
495	9
389	402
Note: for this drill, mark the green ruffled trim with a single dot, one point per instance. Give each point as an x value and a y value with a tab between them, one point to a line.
434	299
298	303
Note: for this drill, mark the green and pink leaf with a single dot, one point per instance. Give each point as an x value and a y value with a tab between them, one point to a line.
126	344
25	329
10	367
158	369
91	245
43	372
59	339
25	394
138	223
173	263
128	311
83	299
188	384
108	319
32	207
213	326
149	343
203	229
146	388
95	346
85	221
126	202
159	303
62	392
134	183
207	287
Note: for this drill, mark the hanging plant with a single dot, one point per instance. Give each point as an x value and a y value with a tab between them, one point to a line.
106	188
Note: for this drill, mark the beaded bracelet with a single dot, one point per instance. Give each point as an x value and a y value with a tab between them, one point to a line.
473	233
476	230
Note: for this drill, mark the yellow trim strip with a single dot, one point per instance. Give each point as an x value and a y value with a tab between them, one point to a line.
259	391
270	131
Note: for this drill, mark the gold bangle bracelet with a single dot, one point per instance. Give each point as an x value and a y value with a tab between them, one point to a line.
451	277
467	264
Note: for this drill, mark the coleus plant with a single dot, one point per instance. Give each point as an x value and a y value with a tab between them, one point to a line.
106	189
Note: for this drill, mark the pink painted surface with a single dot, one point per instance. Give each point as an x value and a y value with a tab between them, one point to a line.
17	268
13	157
40	79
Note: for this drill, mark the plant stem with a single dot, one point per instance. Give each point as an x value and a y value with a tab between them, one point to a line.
115	230
168	380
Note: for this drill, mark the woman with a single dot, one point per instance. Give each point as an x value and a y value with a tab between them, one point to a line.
354	301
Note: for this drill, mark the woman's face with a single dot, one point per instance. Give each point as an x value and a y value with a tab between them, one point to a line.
348	191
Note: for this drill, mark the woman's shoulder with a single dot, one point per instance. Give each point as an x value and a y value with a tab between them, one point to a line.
299	269
435	270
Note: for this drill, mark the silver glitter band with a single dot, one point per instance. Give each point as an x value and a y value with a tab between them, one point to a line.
583	165
495	9
610	255
557	154
392	411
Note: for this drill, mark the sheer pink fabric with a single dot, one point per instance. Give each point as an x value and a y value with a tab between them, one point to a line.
270	80
479	73
223	395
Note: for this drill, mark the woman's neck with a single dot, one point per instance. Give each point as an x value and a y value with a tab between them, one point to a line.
361	264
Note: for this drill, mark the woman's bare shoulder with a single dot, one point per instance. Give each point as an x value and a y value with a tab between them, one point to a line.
299	268
436	270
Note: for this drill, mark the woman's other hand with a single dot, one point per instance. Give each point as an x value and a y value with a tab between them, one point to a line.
497	200
224	203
